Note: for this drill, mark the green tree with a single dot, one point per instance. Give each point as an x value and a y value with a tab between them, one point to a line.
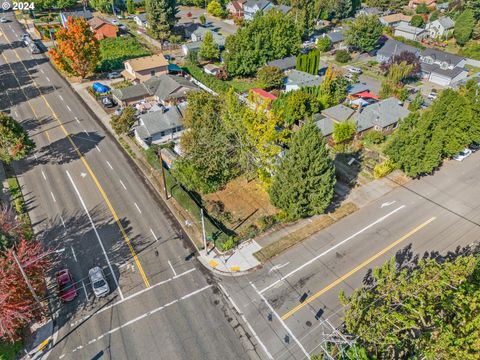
268	36
105	6
304	181
427	311
296	105
209	153
417	21
364	32
434	15
215	8
422	9
209	49
160	18
270	77
343	131
392	83
309	62
342	56
464	27
14	141
324	44
202	19
122	123
130	7
393	5
333	89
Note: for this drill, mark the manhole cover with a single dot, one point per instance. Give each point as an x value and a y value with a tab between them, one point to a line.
308	323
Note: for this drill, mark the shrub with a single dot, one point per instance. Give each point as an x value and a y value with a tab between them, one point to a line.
384	169
343	131
229	243
374	137
265	222
416	21
324	44
342	56
215	9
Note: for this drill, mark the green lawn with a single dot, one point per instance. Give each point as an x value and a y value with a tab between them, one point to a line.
114	51
8	350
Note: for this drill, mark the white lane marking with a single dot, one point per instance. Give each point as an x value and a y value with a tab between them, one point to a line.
53	197
83	175
154	236
171	267
61	356
109	165
60	96
68	107
41	70
85	290
48	79
307	355
278	267
86	133
76	119
121	182
63	221
246	322
96	234
143	316
96	146
331	249
131	296
385	204
73	252
140	211
44	177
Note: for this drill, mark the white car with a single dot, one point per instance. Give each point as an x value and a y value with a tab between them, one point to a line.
3	20
114	75
433	94
354	70
99	284
463	154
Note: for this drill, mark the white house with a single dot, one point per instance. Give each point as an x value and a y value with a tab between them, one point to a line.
410	32
251	7
440	28
211	69
141	20
442	68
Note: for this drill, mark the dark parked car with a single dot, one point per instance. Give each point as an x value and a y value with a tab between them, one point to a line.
474	146
66	285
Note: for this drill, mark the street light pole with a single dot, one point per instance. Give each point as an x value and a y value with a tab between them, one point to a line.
32	290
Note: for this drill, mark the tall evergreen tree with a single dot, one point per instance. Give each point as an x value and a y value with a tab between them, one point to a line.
208	49
160	18
304	181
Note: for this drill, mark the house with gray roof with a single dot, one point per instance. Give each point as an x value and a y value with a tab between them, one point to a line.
336	37
298	79
356	88
440	28
284	64
199	34
338	113
77	14
161	126
251	7
164	89
442	68
141	20
324	124
393	47
410	32
381	116
283	8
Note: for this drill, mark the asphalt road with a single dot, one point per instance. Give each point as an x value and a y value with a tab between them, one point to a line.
292	303
85	196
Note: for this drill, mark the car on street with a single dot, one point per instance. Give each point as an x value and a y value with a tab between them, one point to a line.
463	154
354	70
66	285
114	75
107	102
99	284
433	94
3	20
475	146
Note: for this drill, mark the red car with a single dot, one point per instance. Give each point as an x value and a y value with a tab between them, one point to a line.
66	285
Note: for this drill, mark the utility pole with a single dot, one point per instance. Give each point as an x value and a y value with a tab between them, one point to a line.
163	177
203	230
32	290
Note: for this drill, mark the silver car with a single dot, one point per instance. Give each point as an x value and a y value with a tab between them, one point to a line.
99	284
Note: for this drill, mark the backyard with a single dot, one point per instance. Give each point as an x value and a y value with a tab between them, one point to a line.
114	51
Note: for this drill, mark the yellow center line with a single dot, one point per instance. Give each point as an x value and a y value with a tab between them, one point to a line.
362	265
87	166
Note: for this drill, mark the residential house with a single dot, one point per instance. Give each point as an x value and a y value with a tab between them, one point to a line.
394	20
191	47
102	29
211	69
201	31
354	89
251	7
414	3
284	64
443	6
235	8
324	124
166	89
327	118
336	38
393	47
261	97
141	20
440	28
410	32
297	79
366	10
161	126
77	14
442	68
380	116
143	68
283	8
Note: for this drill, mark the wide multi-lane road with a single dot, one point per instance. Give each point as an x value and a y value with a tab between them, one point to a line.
85	196
293	304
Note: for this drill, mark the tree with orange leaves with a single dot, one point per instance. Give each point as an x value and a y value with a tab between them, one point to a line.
77	52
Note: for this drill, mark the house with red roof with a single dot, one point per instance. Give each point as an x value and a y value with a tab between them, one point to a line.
235	8
102	29
262	97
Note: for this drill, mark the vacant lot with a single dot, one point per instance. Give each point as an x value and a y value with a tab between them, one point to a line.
114	51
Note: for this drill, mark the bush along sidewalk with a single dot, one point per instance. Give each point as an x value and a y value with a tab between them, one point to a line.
18	203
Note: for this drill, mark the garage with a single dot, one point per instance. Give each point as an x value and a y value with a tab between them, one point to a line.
439	79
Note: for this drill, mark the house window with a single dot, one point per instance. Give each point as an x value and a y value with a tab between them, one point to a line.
162	133
444	65
152	72
428	60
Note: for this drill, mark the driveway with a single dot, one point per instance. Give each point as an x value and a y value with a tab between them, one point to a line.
224	27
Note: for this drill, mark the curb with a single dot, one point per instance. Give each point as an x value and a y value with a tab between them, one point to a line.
207	265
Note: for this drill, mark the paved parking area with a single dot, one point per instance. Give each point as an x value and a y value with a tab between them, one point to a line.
224	27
